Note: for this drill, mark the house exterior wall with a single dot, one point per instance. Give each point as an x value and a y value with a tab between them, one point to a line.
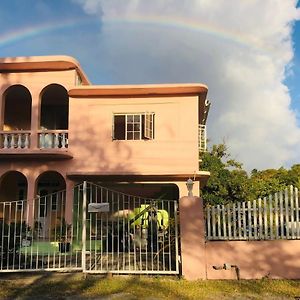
174	150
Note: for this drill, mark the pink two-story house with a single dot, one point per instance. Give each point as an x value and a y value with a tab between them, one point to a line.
59	129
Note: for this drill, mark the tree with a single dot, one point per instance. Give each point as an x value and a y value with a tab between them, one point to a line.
228	182
266	182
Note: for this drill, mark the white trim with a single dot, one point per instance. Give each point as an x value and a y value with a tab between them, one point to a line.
142	126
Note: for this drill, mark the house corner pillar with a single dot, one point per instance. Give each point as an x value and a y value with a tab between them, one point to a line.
69	201
30	201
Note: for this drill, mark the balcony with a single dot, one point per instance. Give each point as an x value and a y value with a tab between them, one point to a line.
53	139
15	139
202	139
43	137
50	144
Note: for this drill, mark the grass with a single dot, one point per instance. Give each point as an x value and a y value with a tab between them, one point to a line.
75	286
52	247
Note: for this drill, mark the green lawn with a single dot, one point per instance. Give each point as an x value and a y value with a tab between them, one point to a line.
68	286
52	247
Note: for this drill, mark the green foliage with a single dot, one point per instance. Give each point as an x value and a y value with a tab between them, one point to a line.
229	182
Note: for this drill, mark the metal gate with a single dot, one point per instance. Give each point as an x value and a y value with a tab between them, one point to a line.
132	234
34	235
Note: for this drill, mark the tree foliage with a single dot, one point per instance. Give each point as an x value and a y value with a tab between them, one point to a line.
230	182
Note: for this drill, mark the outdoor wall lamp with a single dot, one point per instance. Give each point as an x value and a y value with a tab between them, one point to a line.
189	185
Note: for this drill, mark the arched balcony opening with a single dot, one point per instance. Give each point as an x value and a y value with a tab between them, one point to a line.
13	195
16	118
54	117
50	203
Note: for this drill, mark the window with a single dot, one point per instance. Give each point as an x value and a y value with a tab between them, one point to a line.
133	126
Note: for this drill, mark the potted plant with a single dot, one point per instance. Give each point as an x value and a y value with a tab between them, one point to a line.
63	236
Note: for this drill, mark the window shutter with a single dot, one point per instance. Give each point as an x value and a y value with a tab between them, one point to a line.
113	127
148	131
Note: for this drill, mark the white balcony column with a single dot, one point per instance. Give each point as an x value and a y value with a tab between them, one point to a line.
12	141
56	140
5	143
19	144
63	141
26	142
42	140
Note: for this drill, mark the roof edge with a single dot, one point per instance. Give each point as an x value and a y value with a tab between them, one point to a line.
138	90
42	63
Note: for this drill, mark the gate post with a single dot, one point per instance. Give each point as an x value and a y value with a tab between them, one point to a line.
192	235
83	252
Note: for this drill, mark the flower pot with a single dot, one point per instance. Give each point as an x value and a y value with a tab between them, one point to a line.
64	247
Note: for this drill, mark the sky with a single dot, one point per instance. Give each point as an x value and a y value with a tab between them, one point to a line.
246	51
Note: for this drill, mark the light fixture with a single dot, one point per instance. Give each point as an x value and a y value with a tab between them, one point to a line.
189	185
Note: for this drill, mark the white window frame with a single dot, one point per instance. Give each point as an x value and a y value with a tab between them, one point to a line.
146	125
133	123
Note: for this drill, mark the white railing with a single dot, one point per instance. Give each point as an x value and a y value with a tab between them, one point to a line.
15	139
53	139
201	139
271	218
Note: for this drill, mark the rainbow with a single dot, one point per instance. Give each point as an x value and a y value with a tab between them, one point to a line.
235	37
158	21
18	35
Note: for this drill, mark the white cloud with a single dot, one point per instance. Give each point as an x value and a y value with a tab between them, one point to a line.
242	57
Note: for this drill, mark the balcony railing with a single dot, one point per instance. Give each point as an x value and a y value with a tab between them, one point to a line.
15	139
202	139
53	139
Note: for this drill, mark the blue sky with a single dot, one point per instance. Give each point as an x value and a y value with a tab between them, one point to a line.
249	59
293	79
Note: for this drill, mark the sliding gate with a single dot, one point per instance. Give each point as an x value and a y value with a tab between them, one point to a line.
110	232
128	234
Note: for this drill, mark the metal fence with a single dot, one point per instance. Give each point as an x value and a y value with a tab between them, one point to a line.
134	234
270	218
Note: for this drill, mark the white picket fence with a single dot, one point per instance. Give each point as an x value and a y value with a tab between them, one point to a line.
271	218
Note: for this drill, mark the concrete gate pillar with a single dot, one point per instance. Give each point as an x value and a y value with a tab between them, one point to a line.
192	234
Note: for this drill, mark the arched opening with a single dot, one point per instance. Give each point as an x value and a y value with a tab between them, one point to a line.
54	108
50	203
17	108
13	195
16	118
54	117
